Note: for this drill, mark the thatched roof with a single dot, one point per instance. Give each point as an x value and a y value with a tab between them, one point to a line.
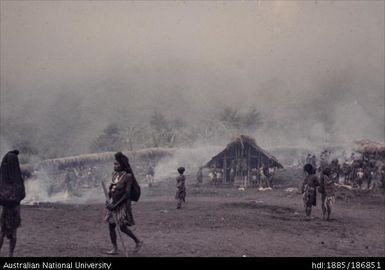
149	153
243	140
368	146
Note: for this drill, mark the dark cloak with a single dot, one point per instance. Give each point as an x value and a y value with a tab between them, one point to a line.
12	190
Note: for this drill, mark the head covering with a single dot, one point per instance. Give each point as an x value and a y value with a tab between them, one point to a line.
181	170
10	167
124	163
11	182
309	169
326	171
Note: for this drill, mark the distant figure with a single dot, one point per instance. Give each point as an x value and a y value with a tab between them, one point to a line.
213	176
327	190
360	174
371	174
180	195
150	176
238	167
244	168
266	172
232	174
346	172
233	170
308	159
119	210
272	171
323	161
254	177
352	157
263	177
90	177
335	170
313	161
219	174
70	182
199	176
309	186
382	176
12	192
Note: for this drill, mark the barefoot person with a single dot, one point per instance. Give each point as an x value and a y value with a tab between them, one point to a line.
12	192
327	190
119	209
150	175
181	188
309	186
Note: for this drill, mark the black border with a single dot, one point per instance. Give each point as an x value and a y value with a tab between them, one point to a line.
327	263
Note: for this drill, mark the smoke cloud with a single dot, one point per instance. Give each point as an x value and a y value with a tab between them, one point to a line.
313	69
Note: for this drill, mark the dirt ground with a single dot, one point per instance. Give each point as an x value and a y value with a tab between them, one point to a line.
215	221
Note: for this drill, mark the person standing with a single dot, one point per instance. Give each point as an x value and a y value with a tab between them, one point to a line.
181	188
327	189
309	186
199	176
150	176
12	192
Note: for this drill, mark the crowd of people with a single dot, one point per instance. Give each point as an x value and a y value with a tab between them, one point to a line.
261	177
361	172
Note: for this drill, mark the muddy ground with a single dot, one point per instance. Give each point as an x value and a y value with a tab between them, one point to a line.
215	221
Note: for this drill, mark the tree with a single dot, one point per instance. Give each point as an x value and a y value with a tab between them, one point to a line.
111	139
237	121
251	119
132	134
159	122
230	118
163	130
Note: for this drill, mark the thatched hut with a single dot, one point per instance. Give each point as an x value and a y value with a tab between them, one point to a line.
370	148
242	150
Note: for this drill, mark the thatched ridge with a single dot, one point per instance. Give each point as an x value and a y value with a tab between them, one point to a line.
242	141
368	146
149	153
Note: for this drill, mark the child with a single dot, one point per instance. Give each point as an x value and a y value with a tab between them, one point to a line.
181	188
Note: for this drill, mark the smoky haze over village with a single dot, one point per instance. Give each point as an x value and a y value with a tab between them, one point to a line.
194	129
286	73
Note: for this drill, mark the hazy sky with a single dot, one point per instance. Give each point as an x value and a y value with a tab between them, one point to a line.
314	69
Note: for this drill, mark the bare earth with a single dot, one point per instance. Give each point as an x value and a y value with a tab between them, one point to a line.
214	222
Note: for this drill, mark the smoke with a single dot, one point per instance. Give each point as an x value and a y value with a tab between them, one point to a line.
350	128
4	146
43	188
314	70
189	158
37	191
